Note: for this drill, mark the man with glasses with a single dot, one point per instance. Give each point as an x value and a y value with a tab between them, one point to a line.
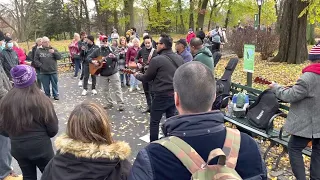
109	72
161	70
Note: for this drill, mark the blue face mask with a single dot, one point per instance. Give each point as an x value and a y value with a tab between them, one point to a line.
3	45
10	45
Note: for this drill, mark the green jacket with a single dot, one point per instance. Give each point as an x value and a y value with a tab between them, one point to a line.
204	56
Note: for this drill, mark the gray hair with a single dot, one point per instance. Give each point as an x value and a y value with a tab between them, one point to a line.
135	39
45	38
196	87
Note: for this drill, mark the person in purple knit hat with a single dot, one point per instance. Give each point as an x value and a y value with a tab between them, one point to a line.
27	116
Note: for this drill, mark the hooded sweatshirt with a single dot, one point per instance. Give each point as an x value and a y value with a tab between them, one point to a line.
77	160
204	56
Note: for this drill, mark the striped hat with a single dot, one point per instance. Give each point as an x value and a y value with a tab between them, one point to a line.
314	53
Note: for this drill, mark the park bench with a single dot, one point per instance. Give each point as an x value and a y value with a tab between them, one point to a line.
275	136
65	61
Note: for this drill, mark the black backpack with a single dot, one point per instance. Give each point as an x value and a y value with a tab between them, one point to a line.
262	110
223	85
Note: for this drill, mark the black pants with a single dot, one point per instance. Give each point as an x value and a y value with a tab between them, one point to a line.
86	75
295	147
31	154
160	104
147	93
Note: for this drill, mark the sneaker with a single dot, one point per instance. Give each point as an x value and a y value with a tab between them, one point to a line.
94	92
89	82
121	108
56	98
80	83
84	93
138	89
130	89
108	106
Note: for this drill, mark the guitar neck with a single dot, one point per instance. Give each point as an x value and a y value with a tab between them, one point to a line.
261	80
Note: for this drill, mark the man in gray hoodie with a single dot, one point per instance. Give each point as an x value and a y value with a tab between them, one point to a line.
46	59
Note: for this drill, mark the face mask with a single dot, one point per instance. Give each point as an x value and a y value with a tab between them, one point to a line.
3	45
10	45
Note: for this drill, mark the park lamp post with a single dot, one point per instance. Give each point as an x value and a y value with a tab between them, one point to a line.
259	2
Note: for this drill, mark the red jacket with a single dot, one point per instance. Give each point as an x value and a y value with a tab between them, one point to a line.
21	55
131	54
190	36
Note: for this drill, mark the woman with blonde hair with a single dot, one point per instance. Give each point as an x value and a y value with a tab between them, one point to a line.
75	53
87	149
130	62
122	49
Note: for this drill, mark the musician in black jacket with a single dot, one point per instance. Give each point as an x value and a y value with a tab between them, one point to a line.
145	55
109	72
161	70
91	46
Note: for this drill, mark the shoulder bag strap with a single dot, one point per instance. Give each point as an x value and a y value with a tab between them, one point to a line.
150	55
231	147
184	152
172	61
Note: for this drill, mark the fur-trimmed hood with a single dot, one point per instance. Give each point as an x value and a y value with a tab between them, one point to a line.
79	149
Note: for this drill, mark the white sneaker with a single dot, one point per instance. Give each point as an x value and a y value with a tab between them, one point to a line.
130	89
138	89
89	82
84	93
80	83
94	92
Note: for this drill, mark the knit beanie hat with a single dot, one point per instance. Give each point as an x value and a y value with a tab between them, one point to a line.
91	38
314	53
23	76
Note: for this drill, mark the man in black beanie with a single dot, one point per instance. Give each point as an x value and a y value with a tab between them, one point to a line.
85	65
161	70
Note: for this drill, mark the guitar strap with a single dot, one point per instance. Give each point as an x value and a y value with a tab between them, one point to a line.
172	61
150	55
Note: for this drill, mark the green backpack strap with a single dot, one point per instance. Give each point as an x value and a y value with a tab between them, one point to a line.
217	153
184	152
231	147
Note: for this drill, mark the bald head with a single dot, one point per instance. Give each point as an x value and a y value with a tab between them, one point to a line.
196	43
195	86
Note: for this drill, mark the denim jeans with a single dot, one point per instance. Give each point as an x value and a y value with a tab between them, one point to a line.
123	79
163	103
5	157
133	81
77	64
295	147
38	78
46	79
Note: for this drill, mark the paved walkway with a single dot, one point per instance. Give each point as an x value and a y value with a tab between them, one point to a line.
128	125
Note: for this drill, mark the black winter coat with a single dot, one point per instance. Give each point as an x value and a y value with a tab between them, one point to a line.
9	59
110	66
84	161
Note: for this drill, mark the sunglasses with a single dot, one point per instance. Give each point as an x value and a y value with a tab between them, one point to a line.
104	40
159	43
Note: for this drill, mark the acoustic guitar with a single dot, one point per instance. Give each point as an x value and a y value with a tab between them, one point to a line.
261	80
127	71
93	68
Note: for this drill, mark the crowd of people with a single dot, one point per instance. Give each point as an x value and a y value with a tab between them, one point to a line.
180	85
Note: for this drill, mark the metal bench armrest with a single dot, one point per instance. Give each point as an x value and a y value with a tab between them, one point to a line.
282	114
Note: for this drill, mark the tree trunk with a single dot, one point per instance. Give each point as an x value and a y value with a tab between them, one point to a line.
126	14
182	27
310	34
116	19
158	6
131	12
212	6
191	17
85	7
293	43
97	6
226	22
201	14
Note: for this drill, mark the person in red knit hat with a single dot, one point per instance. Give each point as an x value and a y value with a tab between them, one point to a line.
303	121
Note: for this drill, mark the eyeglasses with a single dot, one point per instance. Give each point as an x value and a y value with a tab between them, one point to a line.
104	40
159	43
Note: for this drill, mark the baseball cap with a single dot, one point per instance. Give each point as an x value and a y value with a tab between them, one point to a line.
182	41
103	37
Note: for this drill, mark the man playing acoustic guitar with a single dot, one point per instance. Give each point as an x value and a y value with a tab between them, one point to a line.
109	72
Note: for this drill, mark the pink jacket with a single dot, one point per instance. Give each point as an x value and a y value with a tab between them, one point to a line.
190	36
21	55
131	54
74	48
